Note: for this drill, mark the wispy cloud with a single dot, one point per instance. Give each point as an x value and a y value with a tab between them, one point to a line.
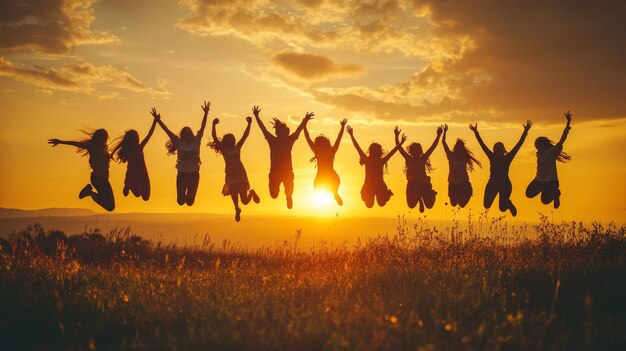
81	77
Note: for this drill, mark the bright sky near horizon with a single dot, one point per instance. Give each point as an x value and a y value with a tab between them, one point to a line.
70	64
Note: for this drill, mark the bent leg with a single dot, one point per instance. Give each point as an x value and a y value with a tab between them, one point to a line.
104	196
491	190
245	196
367	196
146	191
192	188
504	202
550	191
274	185
428	195
412	195
533	189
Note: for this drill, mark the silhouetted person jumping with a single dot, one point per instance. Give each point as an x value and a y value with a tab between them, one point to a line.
187	150
130	150
96	147
326	177
236	183
500	162
374	187
546	181
281	169
417	164
461	160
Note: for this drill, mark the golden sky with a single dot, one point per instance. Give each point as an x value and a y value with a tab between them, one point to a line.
70	64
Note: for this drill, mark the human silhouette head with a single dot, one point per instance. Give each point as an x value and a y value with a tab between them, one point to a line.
461	151
459	146
322	143
415	149
228	141
280	127
499	150
542	144
186	135
99	137
375	150
130	139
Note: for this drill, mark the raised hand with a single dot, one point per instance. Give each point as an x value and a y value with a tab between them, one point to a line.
206	107
349	129
256	110
54	142
309	116
216	121
445	127
403	139
249	119
343	122
439	130
527	126
568	115
396	131
155	114
473	128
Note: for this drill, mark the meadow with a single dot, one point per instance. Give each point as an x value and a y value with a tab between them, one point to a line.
480	284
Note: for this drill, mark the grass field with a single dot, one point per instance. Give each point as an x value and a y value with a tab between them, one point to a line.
483	287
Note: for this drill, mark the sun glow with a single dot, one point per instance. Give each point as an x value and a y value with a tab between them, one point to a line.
323	199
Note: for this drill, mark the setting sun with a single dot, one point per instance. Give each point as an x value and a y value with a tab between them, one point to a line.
323	199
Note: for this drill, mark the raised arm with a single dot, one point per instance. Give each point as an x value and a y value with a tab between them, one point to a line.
568	116
80	144
150	132
517	146
339	136
434	145
474	129
255	111
396	133
157	116
362	154
216	140
307	117
205	108
308	139
396	148
245	134
443	140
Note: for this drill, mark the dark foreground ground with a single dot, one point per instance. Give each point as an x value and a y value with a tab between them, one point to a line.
424	289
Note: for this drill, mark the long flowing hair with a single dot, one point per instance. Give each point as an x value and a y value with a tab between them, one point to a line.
460	149
186	134
219	144
415	150
129	141
543	143
279	126
375	150
322	144
96	137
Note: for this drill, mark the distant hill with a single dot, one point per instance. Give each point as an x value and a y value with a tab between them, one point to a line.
45	212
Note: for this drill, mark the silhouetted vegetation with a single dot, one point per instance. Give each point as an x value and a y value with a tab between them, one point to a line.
478	285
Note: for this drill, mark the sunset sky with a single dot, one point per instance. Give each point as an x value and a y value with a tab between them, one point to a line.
67	65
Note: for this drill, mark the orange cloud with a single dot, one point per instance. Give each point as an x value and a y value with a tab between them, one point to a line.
48	26
313	67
